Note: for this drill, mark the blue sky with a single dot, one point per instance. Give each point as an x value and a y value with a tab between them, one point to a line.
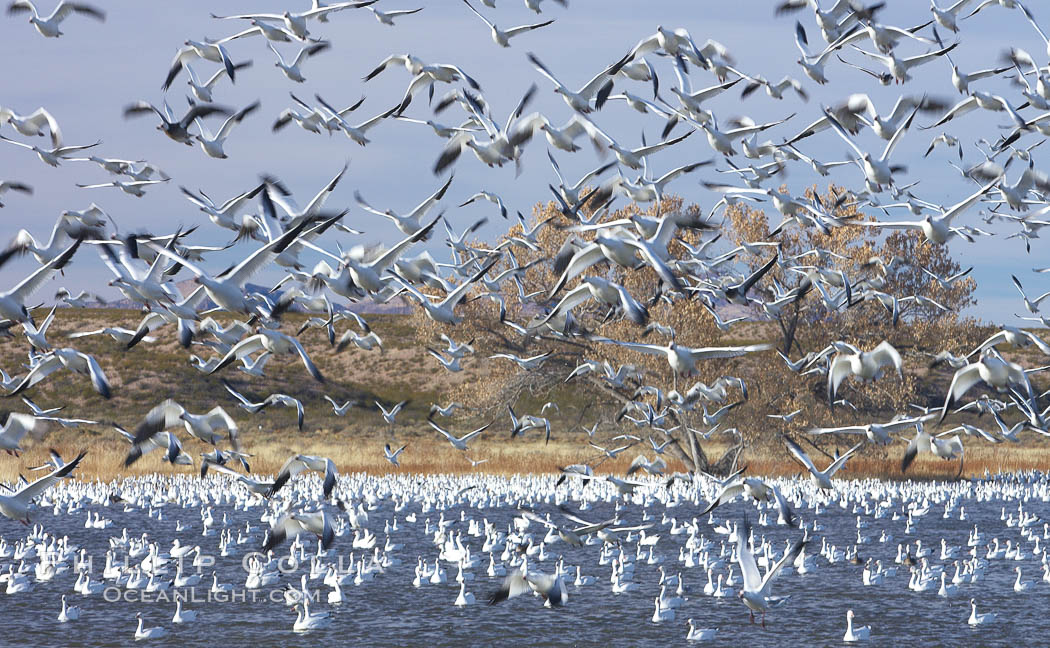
86	77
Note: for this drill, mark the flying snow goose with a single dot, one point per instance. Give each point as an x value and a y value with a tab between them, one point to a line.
176	129
65	358
49	26
212	144
32	125
52	156
821	478
292	524
501	37
300	462
16	505
756	590
864	365
273	399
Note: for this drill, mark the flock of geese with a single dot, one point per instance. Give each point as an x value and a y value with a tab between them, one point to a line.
280	517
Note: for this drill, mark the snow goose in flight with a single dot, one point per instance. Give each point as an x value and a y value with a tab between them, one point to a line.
393	456
292	524
222	215
501	37
296	22
900	68
208	50
877	171
683	359
387	17
674	43
1031	304
65	358
291	70
444	311
176	129
227	289
938	228
756	589
865	365
340	410
878	433
411	222
16	505
597	89
202	90
300	462
356	133
390	415
1014	336
993	370
53	156
32	125
212	144
273	399
257	487
49	26
519	581
15	428
461	442
821	478
12	185
135	188
604	292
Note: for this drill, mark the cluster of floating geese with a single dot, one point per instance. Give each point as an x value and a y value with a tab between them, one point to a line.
456	541
308	497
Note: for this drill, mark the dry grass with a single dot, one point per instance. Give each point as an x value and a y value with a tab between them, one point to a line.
427	455
149	373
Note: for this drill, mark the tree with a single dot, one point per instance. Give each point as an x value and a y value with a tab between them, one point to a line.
816	265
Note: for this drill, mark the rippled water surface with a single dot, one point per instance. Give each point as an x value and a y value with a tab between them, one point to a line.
389	611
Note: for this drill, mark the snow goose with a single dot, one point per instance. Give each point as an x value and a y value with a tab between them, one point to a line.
387	17
306	621
755	592
598	88
501	37
292	524
292	70
465	597
16	505
183	616
176	129
938	228
49	26
864	365
411	222
700	634
52	156
300	462
980	619
31	125
69	612
148	633
1022	586
992	369
212	144
821	478
862	633
392	455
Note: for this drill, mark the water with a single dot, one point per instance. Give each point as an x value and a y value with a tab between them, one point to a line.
389	611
